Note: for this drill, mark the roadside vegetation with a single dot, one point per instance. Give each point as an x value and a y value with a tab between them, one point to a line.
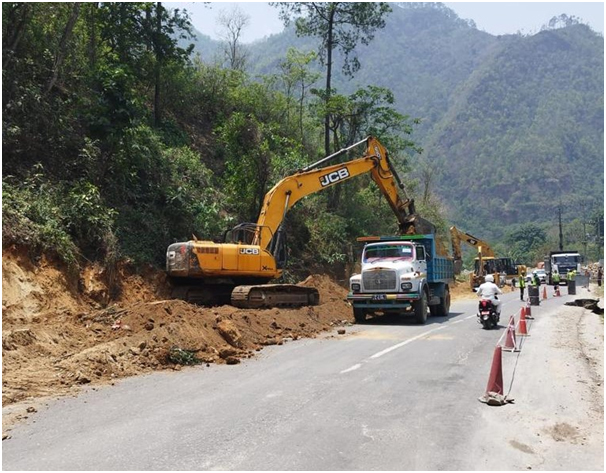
118	140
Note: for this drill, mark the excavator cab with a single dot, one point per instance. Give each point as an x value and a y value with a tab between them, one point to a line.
249	234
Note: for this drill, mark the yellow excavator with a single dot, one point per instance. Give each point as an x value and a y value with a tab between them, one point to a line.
252	254
485	263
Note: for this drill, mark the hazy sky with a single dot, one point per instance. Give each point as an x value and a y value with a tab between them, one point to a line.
493	17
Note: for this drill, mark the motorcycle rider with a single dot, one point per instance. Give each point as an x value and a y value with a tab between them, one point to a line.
489	291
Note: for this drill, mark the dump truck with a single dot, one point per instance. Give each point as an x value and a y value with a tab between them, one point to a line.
404	275
562	262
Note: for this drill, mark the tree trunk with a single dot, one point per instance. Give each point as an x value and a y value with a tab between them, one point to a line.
157	111
92	42
62	49
22	10
301	105
329	48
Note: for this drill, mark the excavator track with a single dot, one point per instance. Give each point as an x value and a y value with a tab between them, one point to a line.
274	295
200	294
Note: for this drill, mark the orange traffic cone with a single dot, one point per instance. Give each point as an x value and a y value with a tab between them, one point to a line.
494	389
527	312
510	338
522	330
495	380
557	290
545	293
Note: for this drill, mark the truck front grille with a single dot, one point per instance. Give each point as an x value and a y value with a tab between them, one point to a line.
383	280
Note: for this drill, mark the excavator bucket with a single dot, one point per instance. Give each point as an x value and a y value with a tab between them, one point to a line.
416	225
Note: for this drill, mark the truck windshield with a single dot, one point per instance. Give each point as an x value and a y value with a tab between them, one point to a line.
573	259
373	253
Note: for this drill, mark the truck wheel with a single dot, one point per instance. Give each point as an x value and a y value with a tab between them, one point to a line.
420	308
444	307
359	315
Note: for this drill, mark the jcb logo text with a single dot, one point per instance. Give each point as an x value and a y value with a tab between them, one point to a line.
249	251
335	176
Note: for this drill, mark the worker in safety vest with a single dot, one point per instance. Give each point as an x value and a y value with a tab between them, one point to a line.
555	278
522	282
531	280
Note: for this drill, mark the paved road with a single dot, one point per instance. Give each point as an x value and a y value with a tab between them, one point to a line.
389	395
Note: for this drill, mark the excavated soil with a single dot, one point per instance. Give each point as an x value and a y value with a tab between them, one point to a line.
61	330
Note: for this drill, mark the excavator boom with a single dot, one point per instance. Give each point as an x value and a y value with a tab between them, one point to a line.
313	178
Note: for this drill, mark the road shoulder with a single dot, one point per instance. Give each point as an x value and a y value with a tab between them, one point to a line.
557	420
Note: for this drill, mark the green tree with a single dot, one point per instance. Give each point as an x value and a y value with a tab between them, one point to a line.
297	75
528	243
340	26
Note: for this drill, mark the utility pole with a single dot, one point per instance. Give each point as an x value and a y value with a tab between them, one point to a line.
560	223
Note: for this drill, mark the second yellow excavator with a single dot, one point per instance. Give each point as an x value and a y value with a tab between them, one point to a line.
485	263
252	254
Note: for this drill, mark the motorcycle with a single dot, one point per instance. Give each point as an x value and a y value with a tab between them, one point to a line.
487	314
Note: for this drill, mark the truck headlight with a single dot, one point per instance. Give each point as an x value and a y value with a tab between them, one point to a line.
355	287
406	286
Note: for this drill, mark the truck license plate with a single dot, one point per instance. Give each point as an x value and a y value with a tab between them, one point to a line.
379	297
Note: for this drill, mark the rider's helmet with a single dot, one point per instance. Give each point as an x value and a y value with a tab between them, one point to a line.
489	278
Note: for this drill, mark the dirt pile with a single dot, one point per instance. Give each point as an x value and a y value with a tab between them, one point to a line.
58	333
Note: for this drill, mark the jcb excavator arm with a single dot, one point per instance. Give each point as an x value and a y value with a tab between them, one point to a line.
312	179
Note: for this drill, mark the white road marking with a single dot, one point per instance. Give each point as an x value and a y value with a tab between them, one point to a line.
353	368
406	342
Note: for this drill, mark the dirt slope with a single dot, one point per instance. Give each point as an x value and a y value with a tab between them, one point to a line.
56	334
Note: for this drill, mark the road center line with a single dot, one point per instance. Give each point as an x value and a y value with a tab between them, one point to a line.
401	344
406	342
353	368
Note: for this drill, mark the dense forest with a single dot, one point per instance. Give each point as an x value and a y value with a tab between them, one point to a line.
125	130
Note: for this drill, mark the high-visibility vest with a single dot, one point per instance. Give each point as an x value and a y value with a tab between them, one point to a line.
522	282
531	282
555	277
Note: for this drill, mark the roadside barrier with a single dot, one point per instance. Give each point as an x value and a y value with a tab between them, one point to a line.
493	395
